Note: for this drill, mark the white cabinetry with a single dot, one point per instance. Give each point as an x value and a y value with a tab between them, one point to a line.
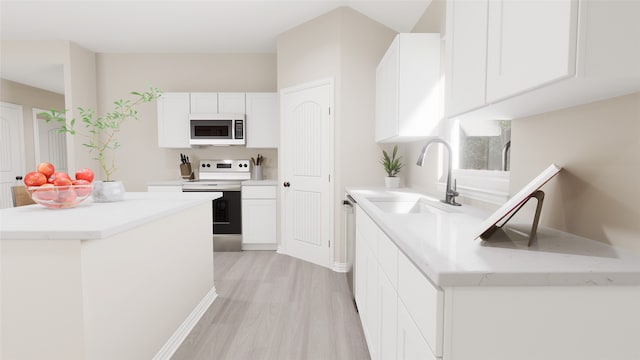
204	103
231	103
262	120
409	101
522	52
401	312
508	59
217	103
466	55
259	217
173	120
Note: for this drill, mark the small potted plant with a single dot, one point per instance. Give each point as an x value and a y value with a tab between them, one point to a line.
392	166
101	134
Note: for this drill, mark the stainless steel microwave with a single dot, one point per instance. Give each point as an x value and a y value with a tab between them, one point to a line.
217	129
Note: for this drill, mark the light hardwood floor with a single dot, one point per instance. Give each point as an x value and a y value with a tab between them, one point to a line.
273	306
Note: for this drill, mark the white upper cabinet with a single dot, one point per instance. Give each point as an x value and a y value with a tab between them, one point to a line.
231	103
173	120
513	58
204	103
408	90
262	120
466	55
217	103
530	44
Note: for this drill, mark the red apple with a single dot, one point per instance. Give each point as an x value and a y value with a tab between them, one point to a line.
46	169
62	182
59	174
84	174
82	190
45	192
66	196
34	178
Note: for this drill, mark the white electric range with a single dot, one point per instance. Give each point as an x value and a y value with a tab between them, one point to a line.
223	176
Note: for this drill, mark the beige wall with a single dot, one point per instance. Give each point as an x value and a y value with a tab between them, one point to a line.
596	195
30	98
139	159
346	46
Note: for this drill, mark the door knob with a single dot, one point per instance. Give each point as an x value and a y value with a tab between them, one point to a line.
286	184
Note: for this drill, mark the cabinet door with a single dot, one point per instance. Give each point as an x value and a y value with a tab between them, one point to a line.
411	344
258	221
466	52
231	103
387	92
530	44
388	317
173	120
372	314
360	272
204	103
262	125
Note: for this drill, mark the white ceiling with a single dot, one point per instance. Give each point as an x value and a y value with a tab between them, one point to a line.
150	26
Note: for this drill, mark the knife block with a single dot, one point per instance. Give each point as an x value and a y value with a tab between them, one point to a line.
186	172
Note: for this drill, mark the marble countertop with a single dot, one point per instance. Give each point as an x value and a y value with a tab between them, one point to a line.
260	183
443	246
91	220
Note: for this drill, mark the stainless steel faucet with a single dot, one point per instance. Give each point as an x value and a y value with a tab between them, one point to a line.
450	192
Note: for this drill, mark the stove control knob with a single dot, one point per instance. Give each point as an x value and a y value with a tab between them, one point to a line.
203	165
208	165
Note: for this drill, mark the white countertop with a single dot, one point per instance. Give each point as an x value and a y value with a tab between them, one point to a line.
260	183
91	220
443	247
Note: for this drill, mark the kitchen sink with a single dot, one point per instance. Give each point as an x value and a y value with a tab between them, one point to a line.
408	205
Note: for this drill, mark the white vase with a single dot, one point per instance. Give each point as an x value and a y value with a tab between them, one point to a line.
108	191
392	181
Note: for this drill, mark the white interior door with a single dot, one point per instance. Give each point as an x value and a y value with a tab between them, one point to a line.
50	144
307	165
11	150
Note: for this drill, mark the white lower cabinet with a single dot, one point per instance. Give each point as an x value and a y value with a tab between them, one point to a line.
259	217
391	328
411	344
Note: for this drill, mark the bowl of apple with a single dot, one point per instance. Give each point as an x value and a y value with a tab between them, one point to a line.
56	190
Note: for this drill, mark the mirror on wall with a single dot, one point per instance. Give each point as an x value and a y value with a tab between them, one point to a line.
484	145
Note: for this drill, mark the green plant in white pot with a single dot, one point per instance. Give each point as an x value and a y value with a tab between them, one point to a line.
392	166
101	137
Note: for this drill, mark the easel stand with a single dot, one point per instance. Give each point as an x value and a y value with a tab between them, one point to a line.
539	195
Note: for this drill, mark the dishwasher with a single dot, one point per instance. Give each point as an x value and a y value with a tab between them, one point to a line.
350	239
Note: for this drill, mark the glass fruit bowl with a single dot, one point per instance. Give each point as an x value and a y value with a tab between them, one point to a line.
60	197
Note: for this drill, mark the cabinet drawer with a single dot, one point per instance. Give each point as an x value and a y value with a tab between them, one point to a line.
388	258
424	302
258	192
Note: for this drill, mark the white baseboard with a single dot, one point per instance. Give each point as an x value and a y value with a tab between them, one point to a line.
340	267
280	250
174	342
259	247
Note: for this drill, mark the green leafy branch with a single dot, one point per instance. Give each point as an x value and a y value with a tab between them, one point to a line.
391	164
101	131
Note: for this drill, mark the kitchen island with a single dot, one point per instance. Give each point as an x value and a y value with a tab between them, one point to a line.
426	287
122	280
